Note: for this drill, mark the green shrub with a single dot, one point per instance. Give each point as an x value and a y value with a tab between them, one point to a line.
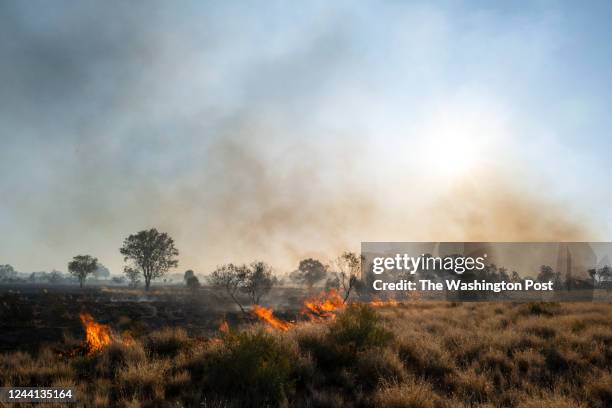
355	331
359	328
256	367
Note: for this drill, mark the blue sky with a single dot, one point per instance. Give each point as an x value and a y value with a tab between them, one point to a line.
277	131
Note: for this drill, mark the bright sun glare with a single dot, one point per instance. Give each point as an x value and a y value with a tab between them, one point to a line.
457	142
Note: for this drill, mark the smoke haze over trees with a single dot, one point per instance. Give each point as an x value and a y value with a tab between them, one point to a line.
217	115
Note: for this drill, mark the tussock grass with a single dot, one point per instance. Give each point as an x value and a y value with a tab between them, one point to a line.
411	394
167	342
429	355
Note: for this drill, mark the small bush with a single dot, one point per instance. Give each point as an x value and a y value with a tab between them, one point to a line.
143	380
495	360
167	342
256	366
426	359
328	355
464	346
375	366
117	356
473	387
360	328
555	361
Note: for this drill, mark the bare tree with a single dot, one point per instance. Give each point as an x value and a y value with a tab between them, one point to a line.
258	281
81	266
151	252
348	265
230	278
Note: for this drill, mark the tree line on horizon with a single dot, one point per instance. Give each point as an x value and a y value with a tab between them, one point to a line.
149	255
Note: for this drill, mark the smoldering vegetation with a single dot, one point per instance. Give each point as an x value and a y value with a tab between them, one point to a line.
424	355
31	316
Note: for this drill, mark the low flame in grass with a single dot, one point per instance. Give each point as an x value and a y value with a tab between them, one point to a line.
224	327
97	335
267	316
127	338
383	303
323	306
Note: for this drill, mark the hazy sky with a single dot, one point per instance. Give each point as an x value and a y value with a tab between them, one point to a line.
276	130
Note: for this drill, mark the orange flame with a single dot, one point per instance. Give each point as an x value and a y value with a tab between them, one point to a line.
382	303
97	335
127	338
224	327
323	306
267	316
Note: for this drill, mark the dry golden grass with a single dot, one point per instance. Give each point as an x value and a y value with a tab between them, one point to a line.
412	394
421	355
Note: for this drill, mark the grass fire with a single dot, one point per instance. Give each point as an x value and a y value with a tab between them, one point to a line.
323	306
240	338
97	335
371	354
267	316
